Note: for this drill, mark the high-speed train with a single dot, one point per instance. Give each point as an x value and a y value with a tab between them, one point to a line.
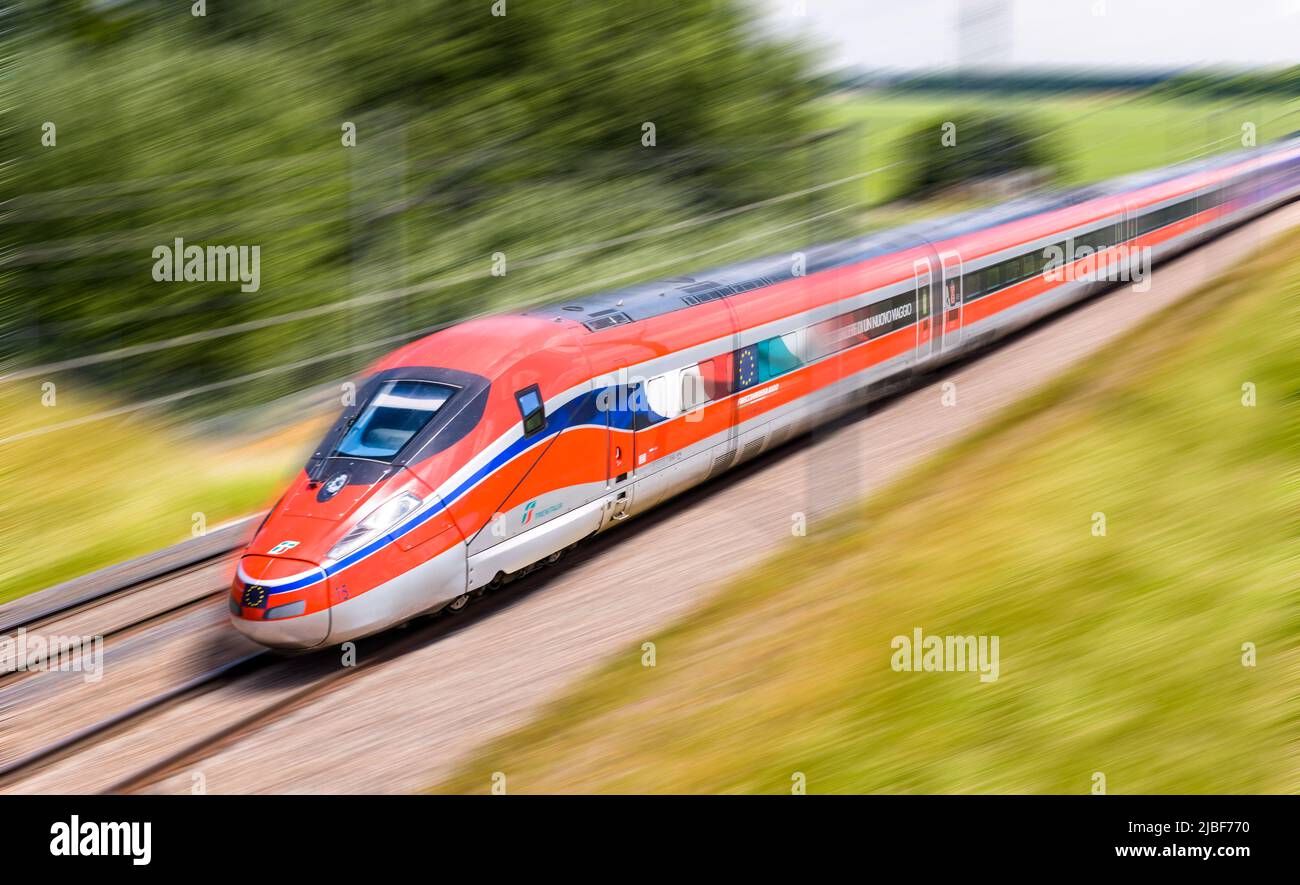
489	447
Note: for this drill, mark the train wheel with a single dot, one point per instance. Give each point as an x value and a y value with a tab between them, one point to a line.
458	604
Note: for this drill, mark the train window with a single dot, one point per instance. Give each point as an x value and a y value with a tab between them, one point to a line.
694	392
970	285
776	357
662	393
1149	222
532	409
717	375
797	343
820	338
397	411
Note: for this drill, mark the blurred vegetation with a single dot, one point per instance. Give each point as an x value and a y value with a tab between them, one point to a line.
942	153
1091	137
1120	654
475	134
1284	83
114	490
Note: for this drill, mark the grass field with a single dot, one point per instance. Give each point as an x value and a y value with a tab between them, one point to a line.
1094	136
106	491
1120	654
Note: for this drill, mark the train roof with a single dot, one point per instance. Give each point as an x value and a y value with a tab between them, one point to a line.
641	301
483	345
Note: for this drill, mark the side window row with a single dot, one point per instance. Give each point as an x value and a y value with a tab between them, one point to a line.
1022	267
1183	209
682	390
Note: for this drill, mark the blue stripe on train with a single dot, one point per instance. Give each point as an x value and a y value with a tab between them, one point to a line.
581	410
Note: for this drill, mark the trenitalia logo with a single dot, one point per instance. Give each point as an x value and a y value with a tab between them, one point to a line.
530	510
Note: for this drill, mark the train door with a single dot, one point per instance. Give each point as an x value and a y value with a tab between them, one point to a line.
926	331
722	382
952	308
615	403
1128	231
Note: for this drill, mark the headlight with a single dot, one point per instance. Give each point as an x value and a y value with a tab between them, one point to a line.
379	520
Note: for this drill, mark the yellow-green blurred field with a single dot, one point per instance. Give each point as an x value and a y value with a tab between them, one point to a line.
106	491
1120	654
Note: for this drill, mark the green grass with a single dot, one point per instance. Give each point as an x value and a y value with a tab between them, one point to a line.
1095	136
1119	654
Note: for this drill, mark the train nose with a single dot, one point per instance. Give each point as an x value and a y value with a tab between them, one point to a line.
280	602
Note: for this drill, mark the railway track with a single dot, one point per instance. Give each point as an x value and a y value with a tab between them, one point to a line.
118	627
100	613
28	762
317	675
86	593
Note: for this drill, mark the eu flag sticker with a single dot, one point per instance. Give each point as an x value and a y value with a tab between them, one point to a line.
747	367
254	596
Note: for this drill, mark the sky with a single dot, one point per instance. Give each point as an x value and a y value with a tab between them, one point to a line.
1116	34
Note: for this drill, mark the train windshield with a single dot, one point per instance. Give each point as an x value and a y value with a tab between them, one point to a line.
397	411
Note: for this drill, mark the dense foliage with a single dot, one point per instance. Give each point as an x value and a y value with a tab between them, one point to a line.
971	147
475	134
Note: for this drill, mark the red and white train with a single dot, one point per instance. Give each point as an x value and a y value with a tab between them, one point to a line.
493	445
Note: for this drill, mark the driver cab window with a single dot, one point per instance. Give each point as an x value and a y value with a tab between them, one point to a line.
397	411
532	409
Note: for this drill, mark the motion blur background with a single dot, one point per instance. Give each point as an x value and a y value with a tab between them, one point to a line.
594	143
138	412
